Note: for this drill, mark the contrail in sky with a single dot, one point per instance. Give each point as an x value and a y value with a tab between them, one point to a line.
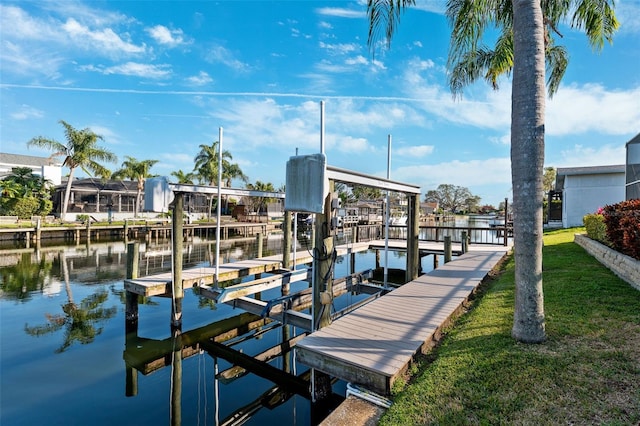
222	94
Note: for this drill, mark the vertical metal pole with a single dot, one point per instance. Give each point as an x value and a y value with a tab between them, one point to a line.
387	214
506	221
218	207
322	127
295	236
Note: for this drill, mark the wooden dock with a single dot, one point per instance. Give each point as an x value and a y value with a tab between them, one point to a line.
161	284
375	344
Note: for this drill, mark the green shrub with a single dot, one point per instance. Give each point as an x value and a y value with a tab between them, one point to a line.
82	217
24	208
596	228
45	207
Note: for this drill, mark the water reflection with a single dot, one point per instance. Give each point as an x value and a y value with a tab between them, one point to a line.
62	315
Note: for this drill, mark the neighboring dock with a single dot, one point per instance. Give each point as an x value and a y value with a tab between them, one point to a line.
375	344
161	284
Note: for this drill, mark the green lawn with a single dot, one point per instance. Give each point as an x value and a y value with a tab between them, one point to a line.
587	372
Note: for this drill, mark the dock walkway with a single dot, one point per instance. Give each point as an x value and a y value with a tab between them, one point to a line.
161	284
375	344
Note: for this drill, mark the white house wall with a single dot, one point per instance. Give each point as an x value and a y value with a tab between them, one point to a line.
584	194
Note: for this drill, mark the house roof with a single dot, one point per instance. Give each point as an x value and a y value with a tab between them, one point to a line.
634	140
561	172
95	184
19	160
590	170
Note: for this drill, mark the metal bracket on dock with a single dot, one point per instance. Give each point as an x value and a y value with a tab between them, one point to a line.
367	395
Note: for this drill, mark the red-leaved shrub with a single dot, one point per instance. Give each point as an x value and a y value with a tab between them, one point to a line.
623	227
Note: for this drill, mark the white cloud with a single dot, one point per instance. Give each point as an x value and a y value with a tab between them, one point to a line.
21	60
417	43
200	80
492	185
582	156
418	151
18	24
433	6
358	60
628	13
25	112
577	109
341	12
165	36
340	49
351	145
325	25
219	54
134	69
105	40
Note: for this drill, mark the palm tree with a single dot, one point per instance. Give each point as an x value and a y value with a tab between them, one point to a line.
206	167
138	171
259	204
524	47
80	150
183	177
206	163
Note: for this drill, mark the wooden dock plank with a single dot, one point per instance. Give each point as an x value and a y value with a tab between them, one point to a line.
374	344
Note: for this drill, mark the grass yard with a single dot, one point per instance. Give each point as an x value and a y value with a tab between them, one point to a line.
587	372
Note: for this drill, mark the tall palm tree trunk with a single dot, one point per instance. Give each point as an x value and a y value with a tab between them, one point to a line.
67	195
527	162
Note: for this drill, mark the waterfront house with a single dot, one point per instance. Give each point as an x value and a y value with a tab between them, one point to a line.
632	184
585	189
47	167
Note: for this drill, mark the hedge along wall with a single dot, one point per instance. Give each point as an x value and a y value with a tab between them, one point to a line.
622	265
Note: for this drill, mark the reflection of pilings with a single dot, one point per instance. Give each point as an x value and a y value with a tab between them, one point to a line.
283	349
148	355
287	381
271	399
176	380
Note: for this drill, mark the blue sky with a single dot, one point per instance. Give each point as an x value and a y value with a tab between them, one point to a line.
157	79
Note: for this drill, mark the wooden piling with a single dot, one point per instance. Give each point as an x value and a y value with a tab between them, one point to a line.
38	229
286	246
447	249
131	299
413	231
464	240
178	247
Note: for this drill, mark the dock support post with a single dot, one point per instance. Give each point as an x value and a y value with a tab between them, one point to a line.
88	230
131	299
126	230
38	229
447	249
464	240
286	246
506	221
413	230
323	254
435	261
178	245
259	242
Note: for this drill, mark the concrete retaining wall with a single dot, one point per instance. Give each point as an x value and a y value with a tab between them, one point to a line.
622	265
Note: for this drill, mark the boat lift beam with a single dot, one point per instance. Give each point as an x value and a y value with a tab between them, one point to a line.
349	176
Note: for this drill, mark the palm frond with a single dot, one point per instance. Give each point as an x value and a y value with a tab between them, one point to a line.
598	20
384	16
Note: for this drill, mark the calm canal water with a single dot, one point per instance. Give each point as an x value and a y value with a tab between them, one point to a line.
63	343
